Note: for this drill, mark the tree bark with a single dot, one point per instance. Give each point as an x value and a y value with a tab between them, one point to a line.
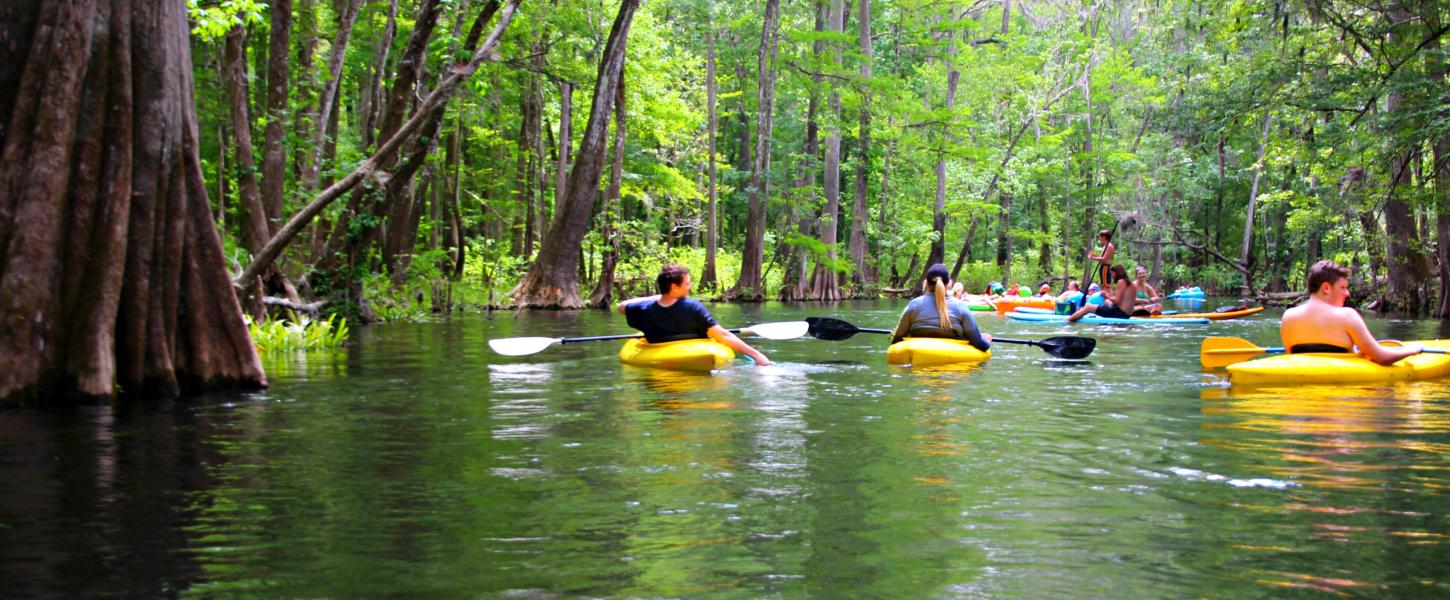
566	102
1438	70
252	215
1004	236
750	286
709	279
603	294
861	277
274	150
825	283
552	280
112	278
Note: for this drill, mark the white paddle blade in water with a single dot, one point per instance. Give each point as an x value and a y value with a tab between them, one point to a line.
521	346
785	330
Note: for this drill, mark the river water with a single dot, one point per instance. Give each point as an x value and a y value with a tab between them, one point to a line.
416	463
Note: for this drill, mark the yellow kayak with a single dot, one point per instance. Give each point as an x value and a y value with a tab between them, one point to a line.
1316	367
683	355
922	352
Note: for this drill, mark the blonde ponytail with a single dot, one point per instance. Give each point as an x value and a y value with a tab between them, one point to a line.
940	289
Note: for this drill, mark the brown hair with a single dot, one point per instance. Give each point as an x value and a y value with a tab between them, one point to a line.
1325	271
670	274
1117	273
935	281
1105	234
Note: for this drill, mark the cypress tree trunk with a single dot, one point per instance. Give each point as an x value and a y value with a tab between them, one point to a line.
862	277
750	286
603	293
826	282
274	151
112	278
708	279
552	280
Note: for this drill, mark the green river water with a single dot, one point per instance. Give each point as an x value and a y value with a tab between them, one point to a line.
417	463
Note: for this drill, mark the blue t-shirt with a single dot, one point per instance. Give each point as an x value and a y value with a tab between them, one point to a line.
683	320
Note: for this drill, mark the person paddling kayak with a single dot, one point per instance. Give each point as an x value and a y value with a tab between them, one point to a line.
935	315
1105	258
1325	324
671	315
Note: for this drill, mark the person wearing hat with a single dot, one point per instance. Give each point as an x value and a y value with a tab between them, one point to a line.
933	314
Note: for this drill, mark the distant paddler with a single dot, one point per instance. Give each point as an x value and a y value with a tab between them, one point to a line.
671	315
1325	324
935	315
1103	256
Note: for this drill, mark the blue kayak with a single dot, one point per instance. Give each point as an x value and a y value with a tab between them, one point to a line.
1194	293
1096	320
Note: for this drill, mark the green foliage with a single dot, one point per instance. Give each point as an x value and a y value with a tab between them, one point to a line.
298	333
212	21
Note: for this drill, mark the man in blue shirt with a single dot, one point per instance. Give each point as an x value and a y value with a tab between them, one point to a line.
671	315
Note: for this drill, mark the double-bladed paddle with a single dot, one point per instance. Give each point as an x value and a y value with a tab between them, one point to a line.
1068	347
523	346
1223	351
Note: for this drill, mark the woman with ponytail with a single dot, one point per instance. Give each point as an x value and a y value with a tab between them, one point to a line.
936	314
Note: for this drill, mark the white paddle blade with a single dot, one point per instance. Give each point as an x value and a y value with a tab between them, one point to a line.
785	330
521	346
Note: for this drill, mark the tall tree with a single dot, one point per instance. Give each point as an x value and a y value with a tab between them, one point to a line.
603	293
708	278
111	272
552	280
274	148
826	281
939	212
862	277
750	286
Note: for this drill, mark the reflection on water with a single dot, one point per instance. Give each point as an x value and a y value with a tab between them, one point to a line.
416	463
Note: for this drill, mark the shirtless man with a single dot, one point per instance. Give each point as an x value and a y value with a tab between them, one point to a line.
673	315
1323	324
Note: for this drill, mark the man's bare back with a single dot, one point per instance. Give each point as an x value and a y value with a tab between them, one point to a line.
1325	320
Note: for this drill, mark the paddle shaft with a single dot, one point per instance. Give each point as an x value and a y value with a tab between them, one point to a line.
603	338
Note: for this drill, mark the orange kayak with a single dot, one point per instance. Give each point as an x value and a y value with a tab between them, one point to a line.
1006	305
1212	316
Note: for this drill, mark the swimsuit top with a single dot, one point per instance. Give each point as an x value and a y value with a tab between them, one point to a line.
1327	348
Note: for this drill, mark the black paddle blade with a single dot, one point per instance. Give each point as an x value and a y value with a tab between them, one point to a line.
1069	347
826	328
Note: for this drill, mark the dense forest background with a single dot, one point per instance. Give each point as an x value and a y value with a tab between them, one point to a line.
818	150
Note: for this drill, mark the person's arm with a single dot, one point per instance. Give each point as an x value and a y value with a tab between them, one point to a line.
903	326
722	336
972	334
1152	293
624	303
1385	355
1108	253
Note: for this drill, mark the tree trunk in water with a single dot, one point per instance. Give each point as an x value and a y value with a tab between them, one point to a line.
861	278
750	286
825	283
111	272
708	279
274	151
603	294
552	280
1248	242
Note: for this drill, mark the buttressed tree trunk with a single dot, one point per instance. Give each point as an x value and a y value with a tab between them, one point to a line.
553	281
111	273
